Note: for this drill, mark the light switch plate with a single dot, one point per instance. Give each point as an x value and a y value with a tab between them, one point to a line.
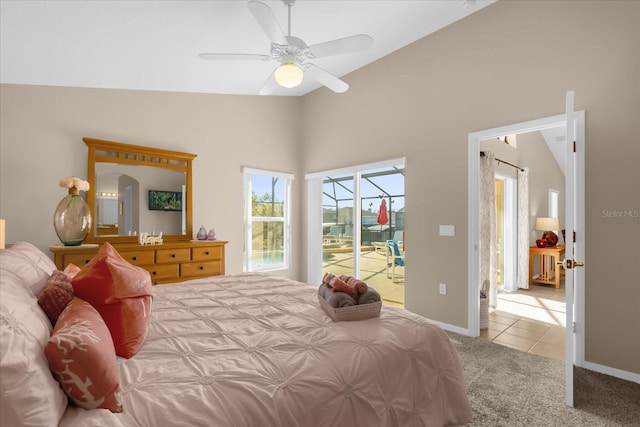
447	230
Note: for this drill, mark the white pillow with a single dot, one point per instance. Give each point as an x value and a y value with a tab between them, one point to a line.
29	264
29	394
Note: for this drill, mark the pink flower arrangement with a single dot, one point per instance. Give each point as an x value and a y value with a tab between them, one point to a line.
73	182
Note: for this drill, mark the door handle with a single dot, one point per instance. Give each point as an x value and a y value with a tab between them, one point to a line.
568	264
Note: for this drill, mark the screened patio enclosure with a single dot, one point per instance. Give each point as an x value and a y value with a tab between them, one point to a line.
360	212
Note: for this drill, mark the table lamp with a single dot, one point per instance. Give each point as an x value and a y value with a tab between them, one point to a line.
546	225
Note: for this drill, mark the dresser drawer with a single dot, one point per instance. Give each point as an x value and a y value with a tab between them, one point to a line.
207	268
164	256
78	260
171	262
137	257
206	253
162	271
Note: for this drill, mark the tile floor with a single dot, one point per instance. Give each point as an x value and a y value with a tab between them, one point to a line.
530	320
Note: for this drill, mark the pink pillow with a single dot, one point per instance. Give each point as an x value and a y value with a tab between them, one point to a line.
55	295
71	270
82	358
121	293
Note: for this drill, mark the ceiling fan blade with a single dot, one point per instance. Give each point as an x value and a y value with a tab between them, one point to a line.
234	56
268	22
341	46
270	85
325	78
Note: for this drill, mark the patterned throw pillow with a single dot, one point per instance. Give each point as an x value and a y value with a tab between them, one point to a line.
55	295
82	358
121	292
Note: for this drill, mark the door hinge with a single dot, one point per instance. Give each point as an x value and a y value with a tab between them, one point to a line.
574	236
573	327
574	146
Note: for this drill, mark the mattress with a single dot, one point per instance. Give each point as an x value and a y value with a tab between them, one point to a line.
258	350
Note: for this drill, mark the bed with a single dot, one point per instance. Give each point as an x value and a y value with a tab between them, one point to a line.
240	350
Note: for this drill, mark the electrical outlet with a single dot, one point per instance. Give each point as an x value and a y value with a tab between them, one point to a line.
443	289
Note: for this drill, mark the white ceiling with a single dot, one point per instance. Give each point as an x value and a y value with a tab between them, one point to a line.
154	45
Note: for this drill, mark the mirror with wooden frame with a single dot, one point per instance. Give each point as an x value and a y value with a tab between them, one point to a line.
136	189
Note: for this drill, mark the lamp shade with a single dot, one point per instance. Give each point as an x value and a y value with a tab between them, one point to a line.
289	75
547	224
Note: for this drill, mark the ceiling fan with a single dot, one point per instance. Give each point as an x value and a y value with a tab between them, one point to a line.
292	53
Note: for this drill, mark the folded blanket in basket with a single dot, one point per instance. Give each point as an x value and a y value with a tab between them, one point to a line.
368	297
336	299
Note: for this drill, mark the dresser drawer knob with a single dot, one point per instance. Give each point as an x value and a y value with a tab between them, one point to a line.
173	255
155	273
207	253
134	258
202	267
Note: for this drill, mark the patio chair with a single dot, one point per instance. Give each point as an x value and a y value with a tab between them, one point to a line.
394	257
334	235
348	233
398	237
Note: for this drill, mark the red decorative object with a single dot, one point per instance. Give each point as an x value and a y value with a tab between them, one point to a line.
542	243
382	215
551	238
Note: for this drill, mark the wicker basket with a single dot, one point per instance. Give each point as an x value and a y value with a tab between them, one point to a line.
484	313
354	312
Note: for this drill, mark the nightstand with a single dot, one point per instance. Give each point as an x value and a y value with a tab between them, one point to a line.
549	271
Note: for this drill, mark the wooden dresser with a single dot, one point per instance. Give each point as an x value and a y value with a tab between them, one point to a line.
169	262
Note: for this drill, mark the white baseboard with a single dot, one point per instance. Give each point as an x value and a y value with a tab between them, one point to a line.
452	328
607	370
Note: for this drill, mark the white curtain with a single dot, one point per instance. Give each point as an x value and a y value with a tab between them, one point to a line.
522	278
488	254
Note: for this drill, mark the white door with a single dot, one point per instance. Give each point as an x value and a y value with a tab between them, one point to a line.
574	242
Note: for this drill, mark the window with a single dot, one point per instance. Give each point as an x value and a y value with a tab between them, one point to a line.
267	222
553	203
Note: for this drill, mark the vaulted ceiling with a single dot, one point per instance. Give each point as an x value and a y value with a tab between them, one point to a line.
154	45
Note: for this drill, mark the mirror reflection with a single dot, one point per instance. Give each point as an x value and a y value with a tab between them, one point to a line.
131	199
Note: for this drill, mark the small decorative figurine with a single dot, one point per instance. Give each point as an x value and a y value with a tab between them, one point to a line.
202	234
211	235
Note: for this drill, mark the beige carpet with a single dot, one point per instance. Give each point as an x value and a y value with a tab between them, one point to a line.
511	388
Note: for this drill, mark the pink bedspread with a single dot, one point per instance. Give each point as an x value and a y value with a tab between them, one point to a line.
256	350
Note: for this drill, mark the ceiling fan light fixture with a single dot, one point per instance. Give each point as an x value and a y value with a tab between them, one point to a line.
289	75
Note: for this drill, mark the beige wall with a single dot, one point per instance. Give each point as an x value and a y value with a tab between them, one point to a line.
420	102
510	62
41	130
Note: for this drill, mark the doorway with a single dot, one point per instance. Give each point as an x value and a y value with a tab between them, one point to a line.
528	316
506	231
574	147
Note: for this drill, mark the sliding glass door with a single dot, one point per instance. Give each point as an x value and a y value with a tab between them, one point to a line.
362	210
